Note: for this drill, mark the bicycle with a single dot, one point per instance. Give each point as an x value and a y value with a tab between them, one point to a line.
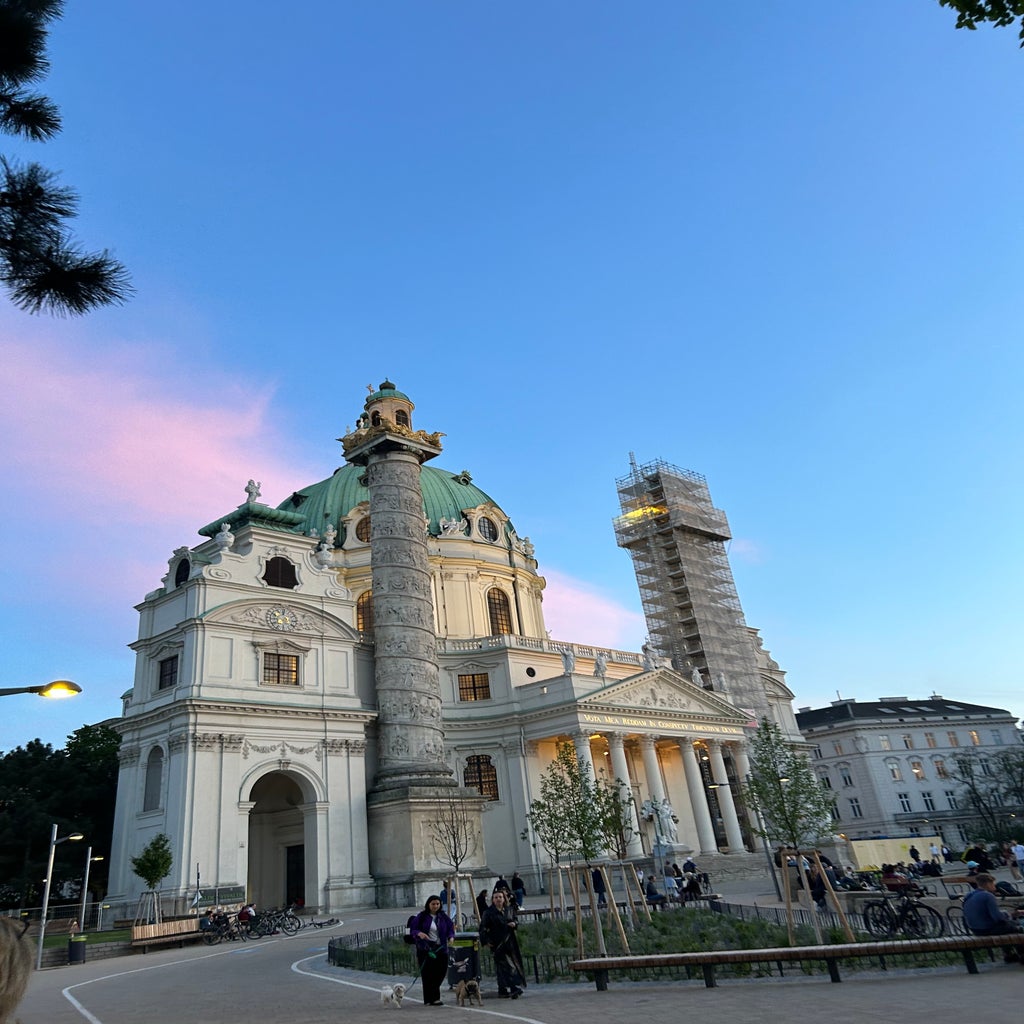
909	917
223	927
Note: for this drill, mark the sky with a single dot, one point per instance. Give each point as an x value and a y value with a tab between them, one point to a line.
778	244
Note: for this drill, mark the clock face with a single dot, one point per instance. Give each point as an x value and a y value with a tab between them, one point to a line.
280	618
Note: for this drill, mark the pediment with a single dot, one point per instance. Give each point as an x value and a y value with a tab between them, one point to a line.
664	691
283	617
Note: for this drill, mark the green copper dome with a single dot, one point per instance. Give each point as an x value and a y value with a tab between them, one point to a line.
445	495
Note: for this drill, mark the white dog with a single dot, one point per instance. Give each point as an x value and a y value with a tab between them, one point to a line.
392	995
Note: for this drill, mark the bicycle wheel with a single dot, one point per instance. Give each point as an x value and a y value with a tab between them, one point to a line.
290	924
211	936
955	920
921	922
879	920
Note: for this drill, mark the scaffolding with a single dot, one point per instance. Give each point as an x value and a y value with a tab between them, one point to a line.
676	538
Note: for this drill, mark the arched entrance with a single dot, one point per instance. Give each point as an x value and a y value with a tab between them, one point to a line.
282	841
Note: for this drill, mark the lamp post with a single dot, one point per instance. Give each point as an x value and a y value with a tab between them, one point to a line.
89	858
54	841
59	688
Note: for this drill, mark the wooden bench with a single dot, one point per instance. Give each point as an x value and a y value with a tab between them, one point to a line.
165	933
707	960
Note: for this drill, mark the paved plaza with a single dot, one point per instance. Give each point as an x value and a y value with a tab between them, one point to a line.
288	979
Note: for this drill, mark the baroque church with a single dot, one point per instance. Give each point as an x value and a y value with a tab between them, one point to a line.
315	682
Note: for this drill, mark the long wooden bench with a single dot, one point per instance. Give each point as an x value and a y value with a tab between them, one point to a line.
708	960
165	933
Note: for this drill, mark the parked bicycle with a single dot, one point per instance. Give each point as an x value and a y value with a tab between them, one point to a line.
901	913
223	927
269	922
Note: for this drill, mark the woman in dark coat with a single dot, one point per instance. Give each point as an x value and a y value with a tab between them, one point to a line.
498	931
432	930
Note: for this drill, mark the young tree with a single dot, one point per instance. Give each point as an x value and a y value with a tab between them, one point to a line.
795	808
614	815
992	787
971	13
40	263
153	865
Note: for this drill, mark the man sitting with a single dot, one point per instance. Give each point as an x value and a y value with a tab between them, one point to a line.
654	898
983	916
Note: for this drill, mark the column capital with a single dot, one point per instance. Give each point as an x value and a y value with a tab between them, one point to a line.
616	740
647	743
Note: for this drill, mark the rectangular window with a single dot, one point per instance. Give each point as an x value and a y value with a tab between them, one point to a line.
825	781
281	669
940	768
950	795
895	772
168	673
985	766
918	769
929	801
952	738
884	743
816	752
837	747
975	738
908	741
904	799
475	687
847	777
962	832
997	737
855	811
929	738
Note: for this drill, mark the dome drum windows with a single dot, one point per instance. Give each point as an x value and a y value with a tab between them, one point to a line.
499	612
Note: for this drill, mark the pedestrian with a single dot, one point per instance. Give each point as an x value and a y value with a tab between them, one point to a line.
597	877
432	930
16	963
498	932
481	903
1017	850
933	851
915	854
983	916
518	889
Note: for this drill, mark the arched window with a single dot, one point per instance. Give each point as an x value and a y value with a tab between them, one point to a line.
498	612
363	530
375	419
364	612
401	417
181	573
481	775
154	780
280	573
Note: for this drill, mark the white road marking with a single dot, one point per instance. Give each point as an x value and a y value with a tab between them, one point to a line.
297	968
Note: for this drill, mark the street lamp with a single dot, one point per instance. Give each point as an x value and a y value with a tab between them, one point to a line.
89	858
74	837
58	689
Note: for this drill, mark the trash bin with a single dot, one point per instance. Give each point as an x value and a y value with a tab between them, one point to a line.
463	958
76	949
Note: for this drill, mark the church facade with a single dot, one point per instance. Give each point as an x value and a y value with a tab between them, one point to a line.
313	680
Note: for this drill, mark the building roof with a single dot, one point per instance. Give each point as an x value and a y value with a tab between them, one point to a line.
892	709
445	495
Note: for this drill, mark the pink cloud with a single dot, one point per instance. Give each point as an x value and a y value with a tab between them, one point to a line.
123	433
577	612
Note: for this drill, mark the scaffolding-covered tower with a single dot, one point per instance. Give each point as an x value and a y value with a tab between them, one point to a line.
677	538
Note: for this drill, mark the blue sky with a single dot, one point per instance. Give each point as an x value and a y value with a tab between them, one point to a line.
776	244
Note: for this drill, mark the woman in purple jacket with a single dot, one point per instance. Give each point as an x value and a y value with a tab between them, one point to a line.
432	929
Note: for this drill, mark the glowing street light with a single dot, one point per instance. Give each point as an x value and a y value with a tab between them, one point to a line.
58	689
54	841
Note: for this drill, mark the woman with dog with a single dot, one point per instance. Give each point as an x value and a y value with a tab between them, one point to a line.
498	931
432	929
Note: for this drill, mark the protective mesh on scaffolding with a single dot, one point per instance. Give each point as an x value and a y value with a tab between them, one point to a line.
676	538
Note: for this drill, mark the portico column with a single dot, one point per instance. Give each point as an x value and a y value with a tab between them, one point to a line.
733	835
581	741
698	799
651	770
620	771
742	762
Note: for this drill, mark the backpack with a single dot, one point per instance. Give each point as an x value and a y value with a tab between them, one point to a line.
408	937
